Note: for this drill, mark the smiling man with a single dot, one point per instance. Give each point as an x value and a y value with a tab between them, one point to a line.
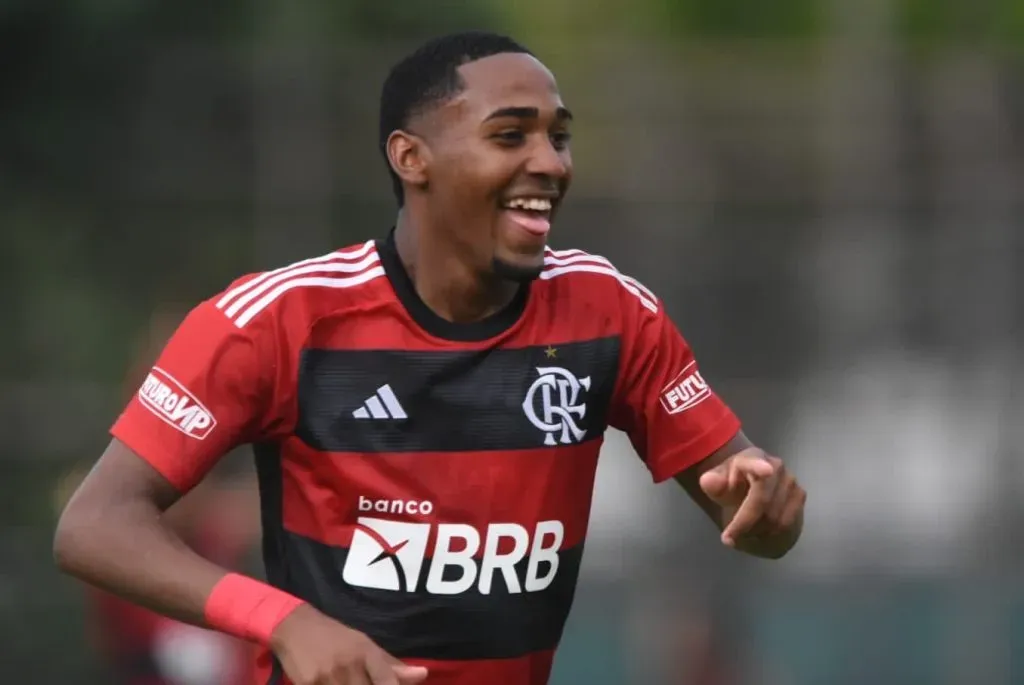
426	411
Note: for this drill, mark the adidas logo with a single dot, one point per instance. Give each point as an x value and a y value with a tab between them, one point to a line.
381	405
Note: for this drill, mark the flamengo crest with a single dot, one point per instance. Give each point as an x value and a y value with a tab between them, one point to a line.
553	404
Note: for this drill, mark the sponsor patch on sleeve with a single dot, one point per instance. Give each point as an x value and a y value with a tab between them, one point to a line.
173	404
685	391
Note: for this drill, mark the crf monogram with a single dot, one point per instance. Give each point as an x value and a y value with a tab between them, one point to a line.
552	404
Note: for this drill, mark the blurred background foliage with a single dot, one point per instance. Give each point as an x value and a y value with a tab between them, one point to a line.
71	72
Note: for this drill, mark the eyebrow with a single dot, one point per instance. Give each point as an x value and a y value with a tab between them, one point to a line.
562	114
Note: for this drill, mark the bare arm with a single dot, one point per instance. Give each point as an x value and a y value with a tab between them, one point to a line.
678	425
690	478
212	390
111	534
772	508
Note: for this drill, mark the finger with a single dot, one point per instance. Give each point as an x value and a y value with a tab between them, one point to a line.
355	675
715	484
794	507
728	482
784	493
749	513
754	465
380	672
746	468
410	675
737	476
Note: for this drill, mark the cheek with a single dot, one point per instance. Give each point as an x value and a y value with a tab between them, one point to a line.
482	170
470	182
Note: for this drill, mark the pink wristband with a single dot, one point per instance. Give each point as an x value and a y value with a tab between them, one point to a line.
247	608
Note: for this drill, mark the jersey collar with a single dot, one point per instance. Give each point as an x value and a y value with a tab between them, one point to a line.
424	316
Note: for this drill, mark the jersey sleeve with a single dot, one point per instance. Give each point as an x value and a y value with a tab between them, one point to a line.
662	401
211	390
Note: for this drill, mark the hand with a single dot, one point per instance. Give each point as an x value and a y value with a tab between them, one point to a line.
317	650
759	497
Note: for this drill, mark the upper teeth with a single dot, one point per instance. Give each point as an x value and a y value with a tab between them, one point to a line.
533	203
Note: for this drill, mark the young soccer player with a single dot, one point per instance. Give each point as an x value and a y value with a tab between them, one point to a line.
426	411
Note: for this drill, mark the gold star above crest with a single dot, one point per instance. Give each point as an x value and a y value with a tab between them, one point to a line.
551	352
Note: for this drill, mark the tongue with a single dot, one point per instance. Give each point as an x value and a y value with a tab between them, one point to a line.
533	223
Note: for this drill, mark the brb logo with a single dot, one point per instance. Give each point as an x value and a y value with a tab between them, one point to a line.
390	555
552	404
173	404
686	390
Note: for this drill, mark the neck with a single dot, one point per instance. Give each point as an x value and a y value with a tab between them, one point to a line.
444	280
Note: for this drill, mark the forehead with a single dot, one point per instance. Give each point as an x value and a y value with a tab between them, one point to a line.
508	80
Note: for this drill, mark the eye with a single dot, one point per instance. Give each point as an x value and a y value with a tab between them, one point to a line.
509	137
560	139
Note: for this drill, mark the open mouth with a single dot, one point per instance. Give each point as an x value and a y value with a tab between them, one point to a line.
532	214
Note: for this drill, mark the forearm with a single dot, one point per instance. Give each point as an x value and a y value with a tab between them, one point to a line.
127	550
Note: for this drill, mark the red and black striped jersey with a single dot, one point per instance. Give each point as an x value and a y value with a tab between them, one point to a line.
425	482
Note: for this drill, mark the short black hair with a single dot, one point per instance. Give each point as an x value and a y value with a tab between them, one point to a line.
429	76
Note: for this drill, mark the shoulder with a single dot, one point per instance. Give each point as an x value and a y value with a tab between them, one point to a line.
297	294
590	278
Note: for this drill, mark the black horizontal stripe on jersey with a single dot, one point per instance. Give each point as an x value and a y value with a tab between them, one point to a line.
267	457
465	626
454	401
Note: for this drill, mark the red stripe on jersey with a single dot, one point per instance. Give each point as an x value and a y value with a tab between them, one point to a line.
324	493
532	669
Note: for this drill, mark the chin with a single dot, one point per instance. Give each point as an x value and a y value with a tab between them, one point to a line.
520	270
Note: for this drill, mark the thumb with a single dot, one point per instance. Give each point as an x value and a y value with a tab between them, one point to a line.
410	675
715	483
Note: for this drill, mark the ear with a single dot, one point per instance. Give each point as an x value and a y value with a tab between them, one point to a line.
409	157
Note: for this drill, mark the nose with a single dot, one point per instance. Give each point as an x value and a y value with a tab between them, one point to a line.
547	160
